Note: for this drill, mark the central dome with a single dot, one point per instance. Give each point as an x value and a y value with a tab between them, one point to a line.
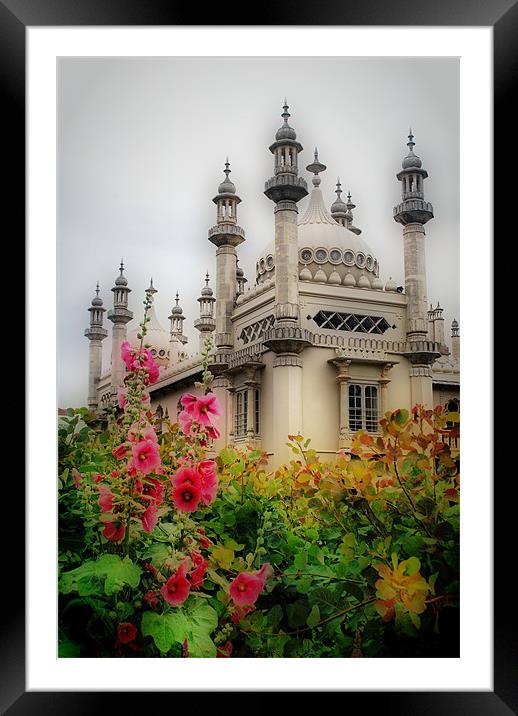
328	251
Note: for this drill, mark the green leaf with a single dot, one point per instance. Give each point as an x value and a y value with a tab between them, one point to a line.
108	574
413	565
165	629
313	617
297	614
193	624
275	616
228	456
68	650
301	560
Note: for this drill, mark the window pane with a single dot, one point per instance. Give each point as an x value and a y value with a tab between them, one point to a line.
371	408
355	407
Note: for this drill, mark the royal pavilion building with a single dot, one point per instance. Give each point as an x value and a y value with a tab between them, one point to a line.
319	343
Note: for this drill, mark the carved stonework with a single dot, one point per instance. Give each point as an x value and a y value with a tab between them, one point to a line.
287	359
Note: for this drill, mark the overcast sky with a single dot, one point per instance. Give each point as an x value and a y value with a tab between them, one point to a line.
141	147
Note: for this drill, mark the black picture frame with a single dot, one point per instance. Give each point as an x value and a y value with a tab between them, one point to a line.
502	15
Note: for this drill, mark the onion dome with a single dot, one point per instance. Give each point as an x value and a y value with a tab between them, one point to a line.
338	207
97	300
285	132
206	290
121	280
239	272
411	160
226	186
177	310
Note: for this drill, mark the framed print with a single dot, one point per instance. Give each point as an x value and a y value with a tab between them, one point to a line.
116	165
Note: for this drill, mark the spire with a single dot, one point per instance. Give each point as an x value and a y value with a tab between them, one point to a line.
338	207
285	132
315	168
151	288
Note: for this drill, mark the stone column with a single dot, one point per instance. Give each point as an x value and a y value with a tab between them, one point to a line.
383	383
421	392
220	388
94	372
286	264
415	282
287	408
226	265
118	368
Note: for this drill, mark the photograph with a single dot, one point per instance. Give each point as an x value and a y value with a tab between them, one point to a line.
258	357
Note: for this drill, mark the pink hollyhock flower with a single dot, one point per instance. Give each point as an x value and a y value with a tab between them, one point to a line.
186	496
185	421
130	467
247	586
202	408
176	590
197	576
213	433
120	452
151	598
153	373
76	476
196	557
152	490
224	650
127	354
114	531
114	473
145	456
105	500
121	398
126	632
209	480
186	474
97	477
149	518
144	431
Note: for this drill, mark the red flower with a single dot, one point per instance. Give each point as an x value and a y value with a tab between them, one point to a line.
126	632
105	500
247	586
176	590
114	531
197	576
149	518
185	421
186	497
186	475
151	568
143	432
224	650
152	490
146	457
151	597
209	480
213	433
241	612
120	452
96	477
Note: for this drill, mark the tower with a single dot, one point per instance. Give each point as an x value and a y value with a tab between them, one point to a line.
206	323
119	315
286	338
177	339
413	212
455	340
339	207
286	188
226	235
95	333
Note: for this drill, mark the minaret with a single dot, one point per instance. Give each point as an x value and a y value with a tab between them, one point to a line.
95	333
286	339
226	235
119	315
438	325
455	340
350	206
413	212
177	338
206	323
286	188
339	207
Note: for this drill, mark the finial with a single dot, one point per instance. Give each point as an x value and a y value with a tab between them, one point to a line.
151	288
97	289
410	142
338	190
350	204
207	278
285	114
121	268
226	170
177	299
315	168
